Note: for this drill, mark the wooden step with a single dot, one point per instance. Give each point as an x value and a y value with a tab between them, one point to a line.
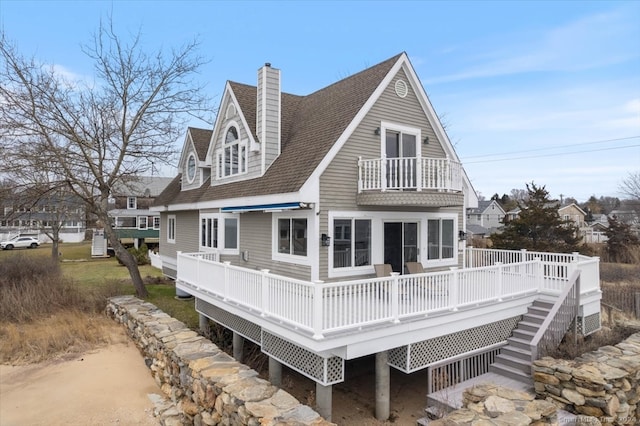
519	343
533	318
523	354
529	326
512	373
523	334
513	362
543	304
535	310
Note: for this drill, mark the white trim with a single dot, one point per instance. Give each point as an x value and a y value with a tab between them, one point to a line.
402	129
221	219
311	237
378	219
353	125
190	179
172	218
227	97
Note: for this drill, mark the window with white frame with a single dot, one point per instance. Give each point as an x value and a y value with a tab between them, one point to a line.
232	157
142	222
131	203
209	232
292	236
218	231
351	242
171	229
156	222
191	167
440	239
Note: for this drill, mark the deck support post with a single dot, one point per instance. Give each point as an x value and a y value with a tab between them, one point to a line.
275	372
203	325
324	396
238	347
383	386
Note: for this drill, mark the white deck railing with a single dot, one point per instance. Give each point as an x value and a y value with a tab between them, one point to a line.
556	270
410	173
322	308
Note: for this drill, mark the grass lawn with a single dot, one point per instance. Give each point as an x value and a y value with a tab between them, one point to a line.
91	274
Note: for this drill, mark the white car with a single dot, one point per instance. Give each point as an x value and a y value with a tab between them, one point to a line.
20	242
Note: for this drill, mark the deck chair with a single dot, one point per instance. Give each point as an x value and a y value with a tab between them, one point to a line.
415	268
383	270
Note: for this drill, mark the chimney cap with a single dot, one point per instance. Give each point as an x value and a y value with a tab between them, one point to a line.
267	64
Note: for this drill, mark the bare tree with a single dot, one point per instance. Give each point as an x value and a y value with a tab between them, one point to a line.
98	134
630	186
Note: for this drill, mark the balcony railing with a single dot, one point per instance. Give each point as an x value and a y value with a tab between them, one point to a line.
324	308
409	173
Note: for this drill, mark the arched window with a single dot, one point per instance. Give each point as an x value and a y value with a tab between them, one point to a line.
232	157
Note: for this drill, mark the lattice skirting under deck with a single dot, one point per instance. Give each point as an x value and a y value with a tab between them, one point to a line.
326	371
245	328
420	355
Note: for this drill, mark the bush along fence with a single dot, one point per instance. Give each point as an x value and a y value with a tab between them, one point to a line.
604	384
202	384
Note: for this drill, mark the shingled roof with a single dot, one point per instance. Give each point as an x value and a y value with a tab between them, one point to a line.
201	139
310	125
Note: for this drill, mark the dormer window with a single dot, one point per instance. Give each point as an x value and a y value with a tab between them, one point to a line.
132	203
191	168
232	157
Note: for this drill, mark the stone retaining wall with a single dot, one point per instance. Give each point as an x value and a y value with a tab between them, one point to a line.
604	384
488	404
203	385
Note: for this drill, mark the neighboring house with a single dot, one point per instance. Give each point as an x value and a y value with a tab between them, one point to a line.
135	224
572	212
37	219
489	215
283	218
595	232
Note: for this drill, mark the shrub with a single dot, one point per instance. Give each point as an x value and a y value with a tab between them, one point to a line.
141	254
32	288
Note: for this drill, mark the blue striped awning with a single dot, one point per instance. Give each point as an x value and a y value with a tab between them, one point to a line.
264	207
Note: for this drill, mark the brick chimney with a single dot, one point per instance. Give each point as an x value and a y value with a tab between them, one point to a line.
268	114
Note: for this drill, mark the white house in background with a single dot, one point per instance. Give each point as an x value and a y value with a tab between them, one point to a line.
285	213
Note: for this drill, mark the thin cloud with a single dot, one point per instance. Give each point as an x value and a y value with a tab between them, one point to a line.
592	42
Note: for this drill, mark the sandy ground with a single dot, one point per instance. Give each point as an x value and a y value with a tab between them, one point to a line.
110	385
104	387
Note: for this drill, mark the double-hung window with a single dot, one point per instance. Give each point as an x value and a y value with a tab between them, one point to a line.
440	239
132	203
142	222
171	229
232	157
351	243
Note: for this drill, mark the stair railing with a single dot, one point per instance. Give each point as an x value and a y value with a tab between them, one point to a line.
564	311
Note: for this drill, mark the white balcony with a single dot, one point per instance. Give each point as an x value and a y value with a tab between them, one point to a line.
409	173
330	314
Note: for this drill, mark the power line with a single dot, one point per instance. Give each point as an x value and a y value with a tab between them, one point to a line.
554	147
551	155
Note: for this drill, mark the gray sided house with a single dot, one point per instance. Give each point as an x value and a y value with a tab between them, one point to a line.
329	227
486	218
323	186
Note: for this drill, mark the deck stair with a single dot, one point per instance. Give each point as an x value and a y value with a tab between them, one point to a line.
514	360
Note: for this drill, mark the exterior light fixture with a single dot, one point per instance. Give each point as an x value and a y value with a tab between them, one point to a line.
325	240
426	140
377	131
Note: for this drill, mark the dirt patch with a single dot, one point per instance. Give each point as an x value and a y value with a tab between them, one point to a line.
101	387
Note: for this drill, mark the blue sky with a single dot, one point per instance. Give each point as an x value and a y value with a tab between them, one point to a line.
528	91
